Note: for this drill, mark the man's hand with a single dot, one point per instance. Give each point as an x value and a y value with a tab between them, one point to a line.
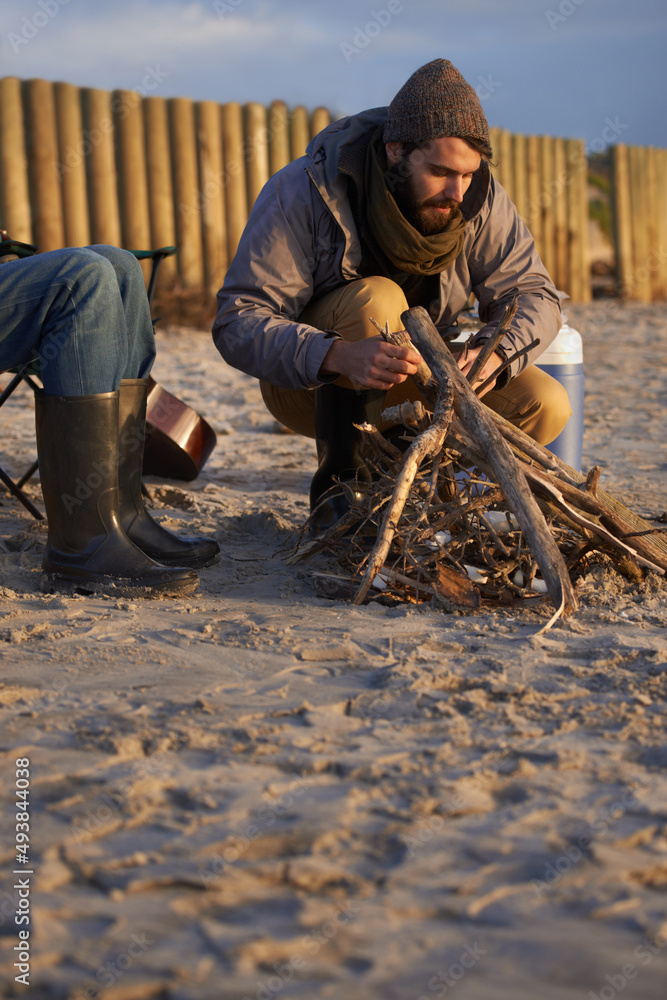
465	363
371	363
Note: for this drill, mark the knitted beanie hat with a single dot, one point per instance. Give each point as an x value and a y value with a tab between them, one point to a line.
436	101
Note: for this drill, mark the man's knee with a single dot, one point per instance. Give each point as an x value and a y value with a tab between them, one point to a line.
125	265
83	262
376	296
355	308
554	413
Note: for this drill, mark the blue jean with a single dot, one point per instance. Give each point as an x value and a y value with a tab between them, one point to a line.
83	312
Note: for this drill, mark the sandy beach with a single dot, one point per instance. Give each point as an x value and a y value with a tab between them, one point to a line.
257	793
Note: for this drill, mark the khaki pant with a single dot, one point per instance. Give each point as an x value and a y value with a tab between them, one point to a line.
533	401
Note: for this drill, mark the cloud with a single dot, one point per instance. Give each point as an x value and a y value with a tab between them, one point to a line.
603	58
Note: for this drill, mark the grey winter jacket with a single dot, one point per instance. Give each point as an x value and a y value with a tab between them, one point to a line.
301	241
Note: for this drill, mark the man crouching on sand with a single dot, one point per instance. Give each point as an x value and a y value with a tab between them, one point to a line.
390	208
84	314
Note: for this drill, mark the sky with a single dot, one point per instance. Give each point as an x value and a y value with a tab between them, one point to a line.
591	69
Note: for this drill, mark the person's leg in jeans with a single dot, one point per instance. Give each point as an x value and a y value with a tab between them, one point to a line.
84	314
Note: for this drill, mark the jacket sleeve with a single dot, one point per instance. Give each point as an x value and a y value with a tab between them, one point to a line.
271	280
504	262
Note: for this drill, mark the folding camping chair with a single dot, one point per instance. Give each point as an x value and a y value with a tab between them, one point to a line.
30	371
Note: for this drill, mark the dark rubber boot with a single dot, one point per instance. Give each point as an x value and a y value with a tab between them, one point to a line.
152	538
337	410
87	549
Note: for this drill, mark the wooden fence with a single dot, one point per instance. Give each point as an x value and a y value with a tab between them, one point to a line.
80	166
640	221
547	180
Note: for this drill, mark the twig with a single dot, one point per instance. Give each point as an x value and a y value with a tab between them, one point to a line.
497	455
429	442
479	389
490	345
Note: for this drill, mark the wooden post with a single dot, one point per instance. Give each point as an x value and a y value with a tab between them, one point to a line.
561	182
505	170
519	172
159	188
578	265
71	167
622	222
42	146
494	139
546	201
534	212
652	223
98	152
587	294
661	212
279	152
186	192
14	190
299	132
257	150
131	167
236	204
320	118
213	219
639	211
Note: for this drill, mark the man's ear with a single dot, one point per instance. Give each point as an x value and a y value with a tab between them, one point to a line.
394	151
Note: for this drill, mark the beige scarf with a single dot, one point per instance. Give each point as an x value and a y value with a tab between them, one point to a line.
405	247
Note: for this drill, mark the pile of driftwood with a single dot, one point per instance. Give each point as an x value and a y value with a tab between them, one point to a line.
474	511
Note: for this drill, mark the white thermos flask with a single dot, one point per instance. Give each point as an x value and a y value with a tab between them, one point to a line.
564	361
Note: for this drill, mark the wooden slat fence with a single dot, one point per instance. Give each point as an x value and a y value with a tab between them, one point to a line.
81	165
640	221
547	180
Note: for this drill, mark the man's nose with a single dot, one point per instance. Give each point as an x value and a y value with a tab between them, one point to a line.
454	189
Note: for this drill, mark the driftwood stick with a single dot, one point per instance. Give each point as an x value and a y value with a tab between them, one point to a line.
429	442
490	345
497	455
380	443
559	496
423	375
408	413
607	505
479	389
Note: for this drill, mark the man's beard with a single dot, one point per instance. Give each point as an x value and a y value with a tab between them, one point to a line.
423	217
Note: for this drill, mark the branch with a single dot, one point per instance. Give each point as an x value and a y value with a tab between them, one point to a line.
497	454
